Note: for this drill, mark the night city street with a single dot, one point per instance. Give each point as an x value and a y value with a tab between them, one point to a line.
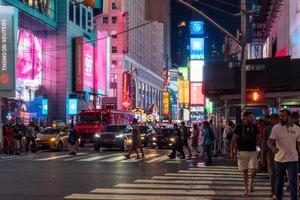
149	99
107	175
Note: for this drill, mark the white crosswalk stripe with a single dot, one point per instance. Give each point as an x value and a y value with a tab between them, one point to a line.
191	184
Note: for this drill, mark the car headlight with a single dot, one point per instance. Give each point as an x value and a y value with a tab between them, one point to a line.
143	135
142	138
52	139
172	139
154	139
97	135
120	136
37	139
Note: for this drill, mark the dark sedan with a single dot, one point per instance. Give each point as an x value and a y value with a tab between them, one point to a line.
164	138
113	136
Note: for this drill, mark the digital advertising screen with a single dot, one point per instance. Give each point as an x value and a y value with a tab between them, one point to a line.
197	27
84	65
197	97
101	63
196	70
197	48
184	72
295	27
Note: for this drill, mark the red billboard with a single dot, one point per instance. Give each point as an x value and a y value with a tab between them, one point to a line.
197	97
126	105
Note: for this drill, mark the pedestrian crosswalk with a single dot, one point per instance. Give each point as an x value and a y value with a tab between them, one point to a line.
98	157
207	182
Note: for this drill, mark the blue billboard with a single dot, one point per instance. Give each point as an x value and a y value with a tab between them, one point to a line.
197	27
45	106
197	48
73	104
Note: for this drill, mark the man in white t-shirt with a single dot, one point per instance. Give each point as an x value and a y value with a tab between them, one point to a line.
285	144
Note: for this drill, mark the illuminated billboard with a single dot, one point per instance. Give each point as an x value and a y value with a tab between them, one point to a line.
84	65
295	28
72	106
29	65
197	27
197	97
102	63
183	92
196	70
197	49
184	72
166	103
126	105
209	106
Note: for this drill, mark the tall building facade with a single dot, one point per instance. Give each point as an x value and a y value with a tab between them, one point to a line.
137	55
61	66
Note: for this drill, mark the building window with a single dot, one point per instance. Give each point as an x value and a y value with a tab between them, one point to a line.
90	22
46	7
114	19
105	20
83	18
114	63
114	6
78	14
114	49
71	11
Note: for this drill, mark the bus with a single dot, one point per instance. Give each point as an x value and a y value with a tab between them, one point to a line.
90	122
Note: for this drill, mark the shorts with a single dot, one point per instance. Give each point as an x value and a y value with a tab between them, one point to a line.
247	160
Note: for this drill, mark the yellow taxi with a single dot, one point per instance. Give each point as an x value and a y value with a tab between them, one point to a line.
55	139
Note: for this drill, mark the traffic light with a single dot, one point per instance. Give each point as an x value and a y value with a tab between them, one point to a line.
255	96
90	3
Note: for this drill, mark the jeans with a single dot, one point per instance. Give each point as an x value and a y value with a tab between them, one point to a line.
292	170
208	153
271	170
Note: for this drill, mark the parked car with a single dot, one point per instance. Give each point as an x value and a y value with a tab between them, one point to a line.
113	136
147	132
164	138
55	139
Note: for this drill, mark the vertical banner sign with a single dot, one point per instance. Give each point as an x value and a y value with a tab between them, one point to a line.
126	91
166	101
7	51
79	63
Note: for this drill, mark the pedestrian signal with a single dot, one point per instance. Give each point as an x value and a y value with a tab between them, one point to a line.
255	96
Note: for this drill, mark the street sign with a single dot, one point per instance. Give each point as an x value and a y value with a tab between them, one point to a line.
8	32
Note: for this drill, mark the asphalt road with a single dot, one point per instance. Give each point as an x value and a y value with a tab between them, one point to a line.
107	176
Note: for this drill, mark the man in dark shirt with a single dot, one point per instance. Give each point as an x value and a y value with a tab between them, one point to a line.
245	138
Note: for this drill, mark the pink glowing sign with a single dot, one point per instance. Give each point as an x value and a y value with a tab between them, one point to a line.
29	59
84	66
88	66
101	64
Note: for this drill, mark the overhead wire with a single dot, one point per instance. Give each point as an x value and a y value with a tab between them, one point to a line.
89	41
216	8
227	3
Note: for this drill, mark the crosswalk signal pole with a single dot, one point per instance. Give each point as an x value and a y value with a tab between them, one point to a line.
244	55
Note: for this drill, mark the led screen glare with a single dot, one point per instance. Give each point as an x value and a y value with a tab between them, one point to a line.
196	70
197	97
197	48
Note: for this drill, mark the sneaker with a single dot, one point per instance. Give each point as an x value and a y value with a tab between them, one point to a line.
127	157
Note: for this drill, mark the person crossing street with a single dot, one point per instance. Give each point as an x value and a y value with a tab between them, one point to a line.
285	144
245	138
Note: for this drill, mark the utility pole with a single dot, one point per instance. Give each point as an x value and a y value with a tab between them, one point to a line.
244	54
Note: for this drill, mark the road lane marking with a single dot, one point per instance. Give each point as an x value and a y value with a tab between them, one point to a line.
53	158
188	187
114	159
202	178
99	157
147	156
195	182
129	197
173	192
158	159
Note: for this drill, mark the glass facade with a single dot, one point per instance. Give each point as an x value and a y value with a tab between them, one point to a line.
46	7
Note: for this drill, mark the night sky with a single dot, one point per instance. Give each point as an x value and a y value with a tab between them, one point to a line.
213	36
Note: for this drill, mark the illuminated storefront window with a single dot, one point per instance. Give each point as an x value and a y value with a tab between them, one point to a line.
46	7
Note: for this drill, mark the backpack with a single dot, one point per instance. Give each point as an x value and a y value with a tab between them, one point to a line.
211	134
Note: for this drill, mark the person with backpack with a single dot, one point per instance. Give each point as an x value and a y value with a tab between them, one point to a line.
246	136
209	138
185	135
73	140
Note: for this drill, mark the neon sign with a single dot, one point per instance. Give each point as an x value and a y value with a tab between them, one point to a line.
197	48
